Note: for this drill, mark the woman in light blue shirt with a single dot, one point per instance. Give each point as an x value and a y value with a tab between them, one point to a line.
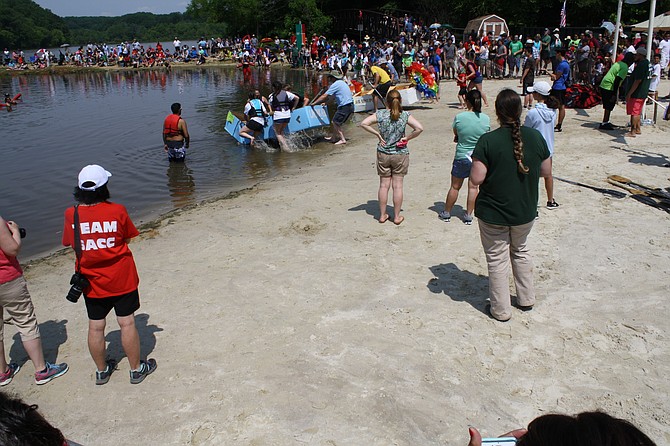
468	126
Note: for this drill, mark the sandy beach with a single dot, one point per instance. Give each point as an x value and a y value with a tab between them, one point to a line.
286	314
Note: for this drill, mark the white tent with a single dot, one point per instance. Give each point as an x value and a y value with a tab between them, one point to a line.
661	22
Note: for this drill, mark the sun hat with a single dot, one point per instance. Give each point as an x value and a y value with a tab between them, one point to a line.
336	74
93	174
541	88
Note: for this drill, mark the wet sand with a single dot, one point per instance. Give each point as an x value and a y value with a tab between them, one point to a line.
286	314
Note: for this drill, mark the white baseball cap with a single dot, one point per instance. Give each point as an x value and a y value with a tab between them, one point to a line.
540	87
93	174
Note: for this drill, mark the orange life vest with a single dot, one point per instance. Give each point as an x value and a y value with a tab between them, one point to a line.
171	125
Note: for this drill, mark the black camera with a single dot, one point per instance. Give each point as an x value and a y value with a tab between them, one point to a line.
79	283
22	232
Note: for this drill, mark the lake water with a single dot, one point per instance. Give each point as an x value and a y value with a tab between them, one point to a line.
115	119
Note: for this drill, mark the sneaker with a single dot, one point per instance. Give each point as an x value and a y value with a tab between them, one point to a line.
552	204
444	216
12	370
606	126
52	371
146	368
467	219
103	377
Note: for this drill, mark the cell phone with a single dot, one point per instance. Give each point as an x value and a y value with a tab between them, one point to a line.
499	441
401	144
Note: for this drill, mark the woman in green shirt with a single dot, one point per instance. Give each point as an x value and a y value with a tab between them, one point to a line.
506	165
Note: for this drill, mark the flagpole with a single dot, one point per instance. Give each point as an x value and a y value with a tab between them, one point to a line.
650	33
616	30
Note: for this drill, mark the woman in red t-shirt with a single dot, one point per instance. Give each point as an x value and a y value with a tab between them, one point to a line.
108	265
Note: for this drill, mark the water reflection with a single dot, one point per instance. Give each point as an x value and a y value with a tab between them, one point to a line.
181	184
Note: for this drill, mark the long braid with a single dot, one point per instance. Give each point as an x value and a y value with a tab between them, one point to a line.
518	146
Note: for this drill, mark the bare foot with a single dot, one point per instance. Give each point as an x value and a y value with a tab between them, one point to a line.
399	220
630	135
383	218
341	141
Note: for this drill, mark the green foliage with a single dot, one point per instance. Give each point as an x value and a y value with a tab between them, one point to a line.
142	26
25	24
307	12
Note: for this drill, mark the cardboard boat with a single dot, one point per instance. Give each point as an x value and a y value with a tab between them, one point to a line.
310	117
302	119
363	99
234	124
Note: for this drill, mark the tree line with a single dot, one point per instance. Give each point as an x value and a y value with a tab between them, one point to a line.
25	24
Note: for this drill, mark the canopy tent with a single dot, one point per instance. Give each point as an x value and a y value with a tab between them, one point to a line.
661	22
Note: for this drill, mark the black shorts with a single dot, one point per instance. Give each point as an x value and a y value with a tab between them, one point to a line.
544	54
254	126
559	94
524	90
609	99
463	91
124	305
383	89
343	113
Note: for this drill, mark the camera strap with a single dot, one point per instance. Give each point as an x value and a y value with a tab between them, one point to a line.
77	237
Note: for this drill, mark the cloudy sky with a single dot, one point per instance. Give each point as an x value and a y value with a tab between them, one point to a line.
111	8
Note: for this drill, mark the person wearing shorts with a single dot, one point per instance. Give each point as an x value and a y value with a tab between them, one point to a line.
17	307
638	91
381	82
339	90
609	87
468	126
392	151
175	134
104	259
560	77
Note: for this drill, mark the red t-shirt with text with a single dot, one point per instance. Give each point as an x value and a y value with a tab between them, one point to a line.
106	260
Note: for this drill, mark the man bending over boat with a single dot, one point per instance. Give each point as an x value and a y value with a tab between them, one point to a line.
345	104
175	135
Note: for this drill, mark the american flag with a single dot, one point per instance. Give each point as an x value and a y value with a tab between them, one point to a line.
564	16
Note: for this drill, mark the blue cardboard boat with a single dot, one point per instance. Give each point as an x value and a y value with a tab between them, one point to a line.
310	117
302	119
235	124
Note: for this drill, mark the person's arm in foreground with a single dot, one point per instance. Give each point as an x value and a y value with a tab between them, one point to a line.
320	99
416	127
545	168
477	172
10	238
367	126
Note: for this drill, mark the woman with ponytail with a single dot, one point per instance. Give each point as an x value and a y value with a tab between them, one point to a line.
392	151
468	126
506	165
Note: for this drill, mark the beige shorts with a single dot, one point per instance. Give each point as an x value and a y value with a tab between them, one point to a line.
390	165
15	299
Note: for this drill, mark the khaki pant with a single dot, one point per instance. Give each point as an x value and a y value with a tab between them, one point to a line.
15	300
502	244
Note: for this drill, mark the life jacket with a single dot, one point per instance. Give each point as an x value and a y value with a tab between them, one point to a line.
171	125
280	101
257	109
